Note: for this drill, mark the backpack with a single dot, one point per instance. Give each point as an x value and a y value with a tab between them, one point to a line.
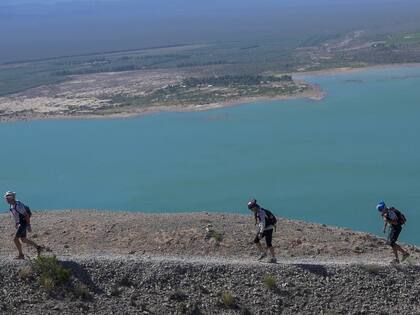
270	217
401	217
28	210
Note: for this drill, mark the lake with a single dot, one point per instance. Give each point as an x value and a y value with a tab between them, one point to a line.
326	161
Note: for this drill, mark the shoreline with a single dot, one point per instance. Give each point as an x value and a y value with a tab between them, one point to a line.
315	93
344	70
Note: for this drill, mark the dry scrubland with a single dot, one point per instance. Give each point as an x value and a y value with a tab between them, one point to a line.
132	263
128	93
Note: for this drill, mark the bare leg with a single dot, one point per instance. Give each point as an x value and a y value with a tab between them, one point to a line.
399	248
395	250
259	246
29	242
272	251
18	246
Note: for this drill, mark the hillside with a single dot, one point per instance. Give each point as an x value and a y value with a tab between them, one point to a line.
131	263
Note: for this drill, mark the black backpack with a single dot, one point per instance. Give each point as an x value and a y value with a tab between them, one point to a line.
401	217
270	217
28	210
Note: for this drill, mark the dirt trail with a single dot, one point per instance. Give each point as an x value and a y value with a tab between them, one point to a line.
229	236
217	260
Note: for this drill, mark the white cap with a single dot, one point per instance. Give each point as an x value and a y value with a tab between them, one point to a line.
9	194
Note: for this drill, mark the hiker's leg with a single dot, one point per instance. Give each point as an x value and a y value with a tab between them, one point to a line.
21	232
18	245
260	248
395	251
393	237
400	249
268	241
29	242
258	244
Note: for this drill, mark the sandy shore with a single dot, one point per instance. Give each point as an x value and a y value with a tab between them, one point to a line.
315	93
37	105
335	71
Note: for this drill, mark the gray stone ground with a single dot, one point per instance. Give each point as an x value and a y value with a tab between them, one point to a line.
130	263
171	285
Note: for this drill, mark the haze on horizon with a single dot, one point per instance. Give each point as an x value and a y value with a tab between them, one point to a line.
34	29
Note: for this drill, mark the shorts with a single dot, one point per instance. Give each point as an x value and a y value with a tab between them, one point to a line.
268	234
21	231
393	234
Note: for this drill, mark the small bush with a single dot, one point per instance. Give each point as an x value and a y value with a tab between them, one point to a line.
195	311
125	282
81	291
245	311
228	299
270	282
47	283
218	237
373	269
178	295
26	273
50	271
115	291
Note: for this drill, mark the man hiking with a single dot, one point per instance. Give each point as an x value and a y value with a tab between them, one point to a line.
21	215
266	222
395	219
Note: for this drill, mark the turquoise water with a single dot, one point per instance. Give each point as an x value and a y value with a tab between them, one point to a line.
327	161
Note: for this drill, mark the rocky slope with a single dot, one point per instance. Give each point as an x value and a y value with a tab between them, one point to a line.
130	263
124	285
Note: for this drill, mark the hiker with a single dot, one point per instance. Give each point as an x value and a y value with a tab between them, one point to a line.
266	222
21	215
395	219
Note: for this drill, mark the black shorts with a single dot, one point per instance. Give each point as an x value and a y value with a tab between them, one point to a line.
268	234
393	234
21	231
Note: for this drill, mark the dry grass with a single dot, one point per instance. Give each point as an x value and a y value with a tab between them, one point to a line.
26	272
270	282
228	300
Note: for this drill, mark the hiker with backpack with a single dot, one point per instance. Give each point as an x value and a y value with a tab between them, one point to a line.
21	215
266	222
395	219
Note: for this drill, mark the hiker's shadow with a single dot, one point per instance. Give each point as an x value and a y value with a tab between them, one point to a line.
82	275
317	270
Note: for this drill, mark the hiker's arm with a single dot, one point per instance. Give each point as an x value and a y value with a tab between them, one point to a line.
385	225
28	222
262	223
389	221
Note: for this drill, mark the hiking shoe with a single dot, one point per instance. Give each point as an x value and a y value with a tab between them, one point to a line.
20	257
39	249
263	255
273	260
405	256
